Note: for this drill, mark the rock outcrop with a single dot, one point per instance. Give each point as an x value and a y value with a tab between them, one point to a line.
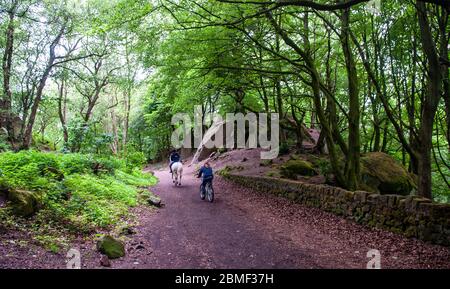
24	203
292	168
382	174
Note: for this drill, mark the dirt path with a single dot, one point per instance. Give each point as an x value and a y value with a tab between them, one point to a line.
247	229
191	233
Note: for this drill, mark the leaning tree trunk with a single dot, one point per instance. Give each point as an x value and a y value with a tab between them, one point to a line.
40	89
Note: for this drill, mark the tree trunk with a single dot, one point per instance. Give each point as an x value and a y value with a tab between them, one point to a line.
40	89
126	121
5	102
444	45
279	96
115	144
430	102
62	106
353	156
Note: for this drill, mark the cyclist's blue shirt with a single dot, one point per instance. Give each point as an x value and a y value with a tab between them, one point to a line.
207	173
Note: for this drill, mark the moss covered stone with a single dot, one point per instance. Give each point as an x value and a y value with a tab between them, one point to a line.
24	203
383	174
292	168
111	247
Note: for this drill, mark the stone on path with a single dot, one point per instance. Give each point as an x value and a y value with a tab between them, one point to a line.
154	201
111	247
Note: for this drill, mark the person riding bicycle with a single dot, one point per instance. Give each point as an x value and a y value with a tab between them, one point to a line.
174	157
207	173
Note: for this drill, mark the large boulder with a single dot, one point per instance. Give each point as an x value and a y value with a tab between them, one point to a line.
111	247
292	168
24	203
381	173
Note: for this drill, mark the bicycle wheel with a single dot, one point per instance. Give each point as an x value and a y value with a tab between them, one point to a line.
209	192
202	193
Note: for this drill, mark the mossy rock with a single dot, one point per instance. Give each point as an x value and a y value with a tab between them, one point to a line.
292	168
24	203
111	247
383	174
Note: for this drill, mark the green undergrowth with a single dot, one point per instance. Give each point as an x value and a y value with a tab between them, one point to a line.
80	194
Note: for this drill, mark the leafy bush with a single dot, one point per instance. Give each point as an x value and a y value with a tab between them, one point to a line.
41	143
324	167
29	170
284	148
82	190
76	163
4	145
135	159
111	164
135	178
85	163
98	201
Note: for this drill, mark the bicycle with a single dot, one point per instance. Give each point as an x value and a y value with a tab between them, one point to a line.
207	192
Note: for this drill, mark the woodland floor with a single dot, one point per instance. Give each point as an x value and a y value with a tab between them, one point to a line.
241	229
